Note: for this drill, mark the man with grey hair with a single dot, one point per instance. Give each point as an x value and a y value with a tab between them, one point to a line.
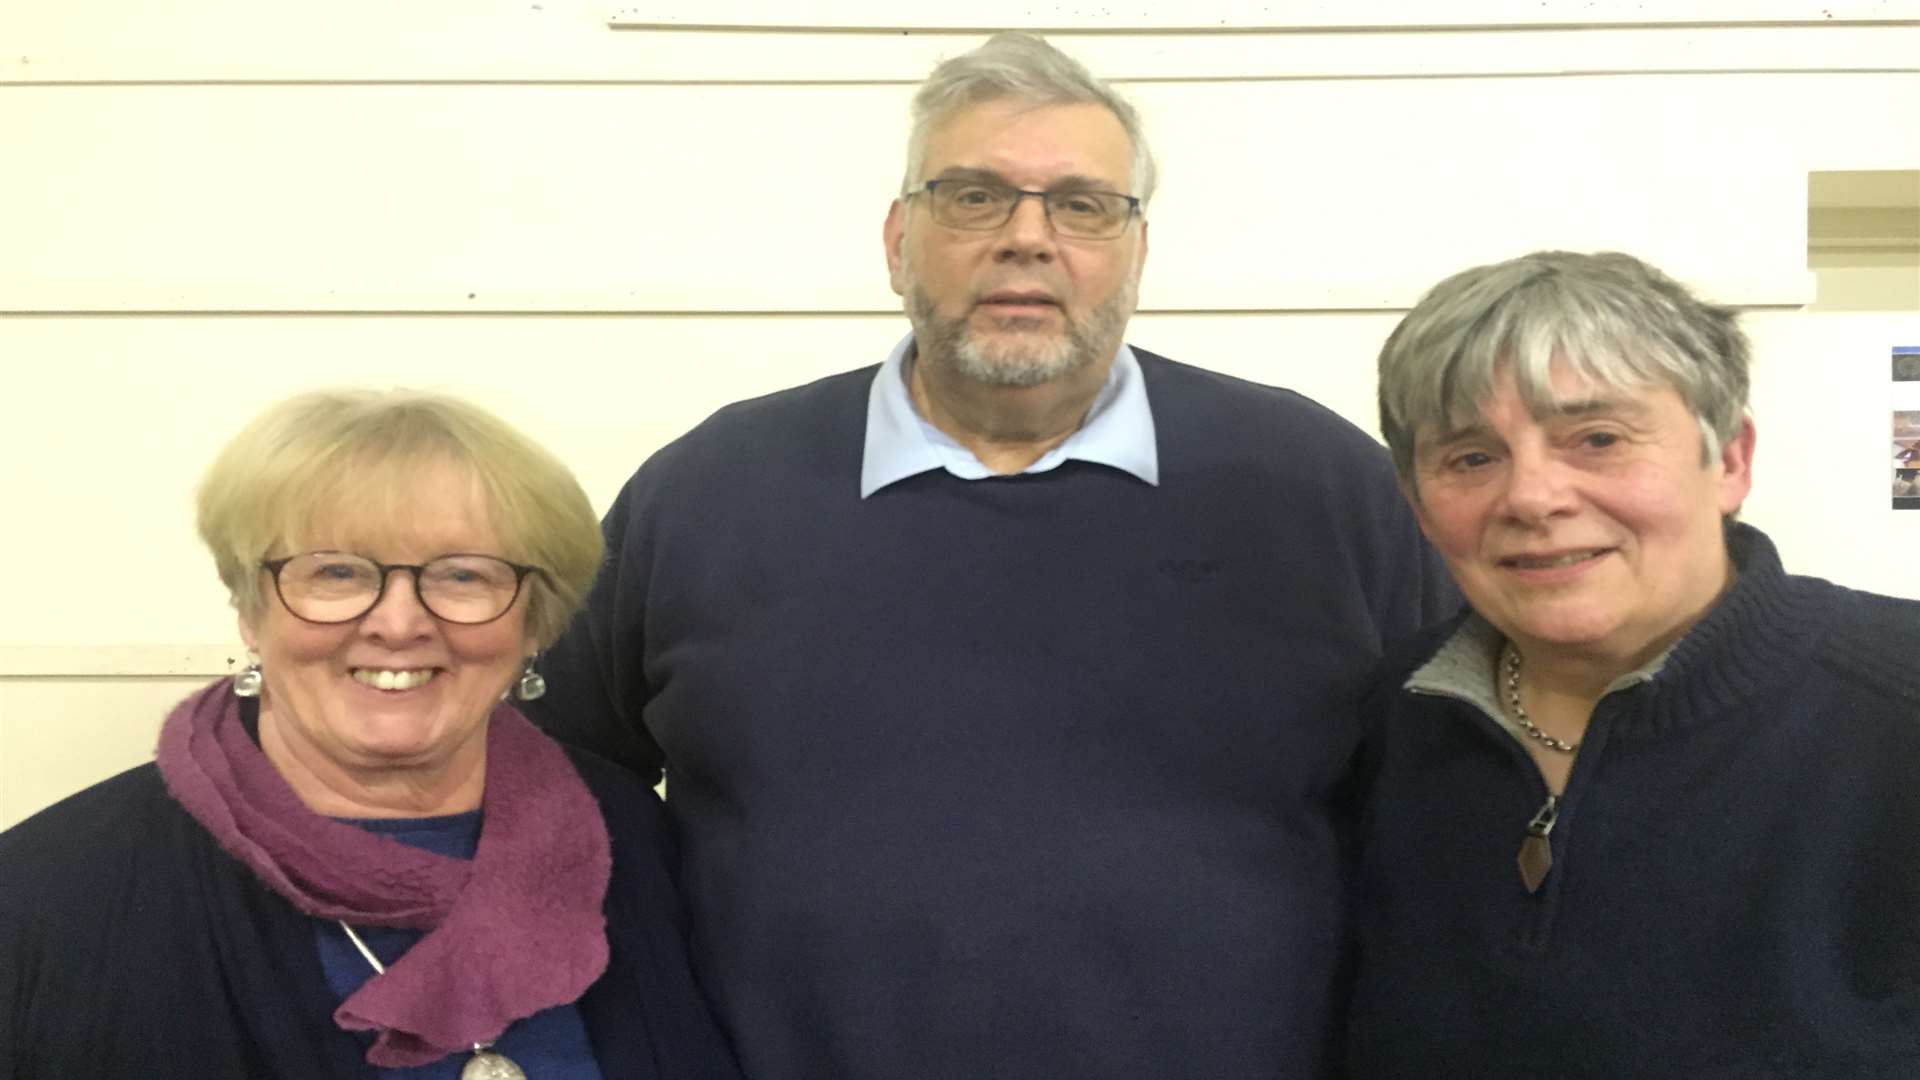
1002	688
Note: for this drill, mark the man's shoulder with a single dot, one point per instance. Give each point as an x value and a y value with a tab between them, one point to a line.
1181	392
827	402
815	427
1203	416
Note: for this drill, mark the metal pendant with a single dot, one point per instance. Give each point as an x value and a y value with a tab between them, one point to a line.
1536	848
1536	862
487	1065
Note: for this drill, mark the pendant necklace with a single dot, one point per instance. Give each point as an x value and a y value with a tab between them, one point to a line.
485	1063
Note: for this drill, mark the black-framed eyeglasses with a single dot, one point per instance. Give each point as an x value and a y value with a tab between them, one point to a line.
983	205
337	586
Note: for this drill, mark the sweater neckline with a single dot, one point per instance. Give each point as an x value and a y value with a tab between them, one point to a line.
1750	637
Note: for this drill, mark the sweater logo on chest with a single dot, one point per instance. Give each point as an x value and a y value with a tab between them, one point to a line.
1190	569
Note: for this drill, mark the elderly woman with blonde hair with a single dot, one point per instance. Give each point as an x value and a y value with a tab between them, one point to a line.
354	859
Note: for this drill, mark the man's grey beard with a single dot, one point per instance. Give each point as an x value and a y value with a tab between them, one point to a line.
952	344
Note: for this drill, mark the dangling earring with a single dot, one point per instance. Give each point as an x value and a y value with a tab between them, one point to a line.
531	685
248	682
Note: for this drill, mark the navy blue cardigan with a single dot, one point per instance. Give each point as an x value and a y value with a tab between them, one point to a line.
131	945
1033	776
1736	881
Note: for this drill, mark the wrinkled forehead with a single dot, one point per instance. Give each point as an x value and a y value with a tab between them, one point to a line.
395	511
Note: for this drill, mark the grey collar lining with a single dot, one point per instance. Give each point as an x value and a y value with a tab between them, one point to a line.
1466	668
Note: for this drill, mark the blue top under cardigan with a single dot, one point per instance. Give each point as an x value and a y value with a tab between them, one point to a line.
551	1044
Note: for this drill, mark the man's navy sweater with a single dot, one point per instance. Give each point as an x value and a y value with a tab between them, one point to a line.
1019	777
1735	890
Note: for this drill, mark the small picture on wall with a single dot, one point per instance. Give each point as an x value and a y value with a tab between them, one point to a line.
1906	460
1906	363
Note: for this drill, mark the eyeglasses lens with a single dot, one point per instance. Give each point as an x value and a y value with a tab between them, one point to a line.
331	586
1092	215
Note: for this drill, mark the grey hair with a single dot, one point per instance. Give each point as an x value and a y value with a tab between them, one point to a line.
1614	320
1019	65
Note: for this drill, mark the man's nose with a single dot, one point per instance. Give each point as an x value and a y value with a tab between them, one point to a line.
1027	234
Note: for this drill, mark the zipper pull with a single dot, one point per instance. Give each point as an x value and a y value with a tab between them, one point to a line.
1536	852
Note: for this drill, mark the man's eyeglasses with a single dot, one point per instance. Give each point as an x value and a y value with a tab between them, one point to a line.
335	587
978	204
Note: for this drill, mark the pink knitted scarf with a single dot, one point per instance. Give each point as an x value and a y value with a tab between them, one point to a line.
518	929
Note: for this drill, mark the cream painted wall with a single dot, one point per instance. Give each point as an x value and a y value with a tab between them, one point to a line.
605	233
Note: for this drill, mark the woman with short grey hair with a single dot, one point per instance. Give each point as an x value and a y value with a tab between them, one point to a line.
1646	809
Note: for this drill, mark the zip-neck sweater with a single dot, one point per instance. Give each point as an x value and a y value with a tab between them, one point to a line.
1735	879
1024	777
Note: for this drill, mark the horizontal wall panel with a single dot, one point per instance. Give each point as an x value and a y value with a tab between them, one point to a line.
1216	14
466	40
1275	195
1865	189
1893	229
119	661
60	735
127	412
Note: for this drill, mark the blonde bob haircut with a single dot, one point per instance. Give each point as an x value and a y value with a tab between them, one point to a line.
311	470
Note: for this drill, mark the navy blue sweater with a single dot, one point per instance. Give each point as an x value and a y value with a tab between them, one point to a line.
1019	777
1736	881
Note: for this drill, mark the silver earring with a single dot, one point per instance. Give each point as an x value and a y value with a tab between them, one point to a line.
531	685
248	682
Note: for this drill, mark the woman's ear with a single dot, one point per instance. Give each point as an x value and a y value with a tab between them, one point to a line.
1736	468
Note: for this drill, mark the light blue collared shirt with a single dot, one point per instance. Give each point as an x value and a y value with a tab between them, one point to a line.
1118	430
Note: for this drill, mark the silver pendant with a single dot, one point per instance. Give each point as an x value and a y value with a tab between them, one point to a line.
487	1065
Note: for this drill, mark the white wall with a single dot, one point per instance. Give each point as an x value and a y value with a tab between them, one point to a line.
605	231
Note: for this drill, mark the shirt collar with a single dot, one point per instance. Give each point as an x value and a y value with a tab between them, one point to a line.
1118	430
